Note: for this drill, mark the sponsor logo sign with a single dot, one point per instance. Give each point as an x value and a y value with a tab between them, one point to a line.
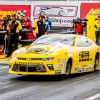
59	15
89	9
15	9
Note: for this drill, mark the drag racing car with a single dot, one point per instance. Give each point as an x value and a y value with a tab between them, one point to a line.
56	54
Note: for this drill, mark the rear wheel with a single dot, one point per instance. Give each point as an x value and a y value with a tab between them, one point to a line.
96	62
68	67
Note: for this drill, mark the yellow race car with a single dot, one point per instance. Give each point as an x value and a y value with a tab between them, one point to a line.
56	54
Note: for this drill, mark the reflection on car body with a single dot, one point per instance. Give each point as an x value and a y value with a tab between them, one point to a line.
56	54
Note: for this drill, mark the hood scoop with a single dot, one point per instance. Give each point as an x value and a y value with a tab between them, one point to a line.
38	50
41	49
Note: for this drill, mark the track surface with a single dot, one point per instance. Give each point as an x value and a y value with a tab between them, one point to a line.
73	87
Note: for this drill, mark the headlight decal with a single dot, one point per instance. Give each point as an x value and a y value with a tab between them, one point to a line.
20	51
14	58
62	60
48	59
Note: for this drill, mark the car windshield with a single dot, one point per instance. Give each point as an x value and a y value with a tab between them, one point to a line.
47	40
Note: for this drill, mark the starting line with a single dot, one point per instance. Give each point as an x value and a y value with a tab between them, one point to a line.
93	97
4	67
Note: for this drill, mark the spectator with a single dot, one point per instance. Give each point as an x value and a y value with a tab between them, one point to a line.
78	26
21	19
48	23
14	33
97	28
1	26
5	21
39	27
27	24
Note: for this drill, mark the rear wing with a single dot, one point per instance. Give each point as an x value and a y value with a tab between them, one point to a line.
60	32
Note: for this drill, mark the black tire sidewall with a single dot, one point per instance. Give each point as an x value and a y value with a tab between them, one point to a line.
68	68
95	62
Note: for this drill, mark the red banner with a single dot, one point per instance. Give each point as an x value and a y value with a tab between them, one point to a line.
15	9
89	9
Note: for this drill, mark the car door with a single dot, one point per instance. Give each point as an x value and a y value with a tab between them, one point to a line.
83	55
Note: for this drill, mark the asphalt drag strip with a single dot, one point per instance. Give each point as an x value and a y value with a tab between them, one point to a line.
36	87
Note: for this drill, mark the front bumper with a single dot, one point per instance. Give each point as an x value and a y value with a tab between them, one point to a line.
37	68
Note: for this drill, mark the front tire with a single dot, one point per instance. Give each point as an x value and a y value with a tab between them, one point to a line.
68	67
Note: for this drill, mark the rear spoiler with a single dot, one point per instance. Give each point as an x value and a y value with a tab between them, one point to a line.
60	32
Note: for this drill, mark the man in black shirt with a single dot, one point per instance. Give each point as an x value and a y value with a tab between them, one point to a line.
39	27
14	34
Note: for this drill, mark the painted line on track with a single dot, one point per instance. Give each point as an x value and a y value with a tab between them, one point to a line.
4	67
93	97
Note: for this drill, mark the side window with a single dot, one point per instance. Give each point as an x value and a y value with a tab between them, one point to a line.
89	41
82	42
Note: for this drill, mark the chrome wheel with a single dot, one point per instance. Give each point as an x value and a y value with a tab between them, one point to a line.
95	63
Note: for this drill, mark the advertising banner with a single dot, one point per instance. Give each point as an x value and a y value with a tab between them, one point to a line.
89	9
59	15
15	9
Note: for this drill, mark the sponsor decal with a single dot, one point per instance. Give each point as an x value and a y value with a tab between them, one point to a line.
24	10
84	68
59	15
84	56
89	9
56	11
60	22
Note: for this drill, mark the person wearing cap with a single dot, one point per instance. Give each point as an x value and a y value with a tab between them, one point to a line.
97	28
78	26
21	19
27	25
5	21
14	34
39	27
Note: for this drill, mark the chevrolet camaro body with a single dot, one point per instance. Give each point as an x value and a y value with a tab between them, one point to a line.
56	54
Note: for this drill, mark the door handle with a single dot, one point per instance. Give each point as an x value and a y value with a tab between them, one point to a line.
89	27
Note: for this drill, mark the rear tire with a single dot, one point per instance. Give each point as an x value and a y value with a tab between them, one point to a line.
96	62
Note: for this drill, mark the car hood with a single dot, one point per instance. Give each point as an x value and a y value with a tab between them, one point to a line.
35	50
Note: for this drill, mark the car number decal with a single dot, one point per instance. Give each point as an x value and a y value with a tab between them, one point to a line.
84	56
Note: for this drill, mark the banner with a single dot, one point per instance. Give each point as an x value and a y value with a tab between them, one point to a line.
59	15
15	9
89	9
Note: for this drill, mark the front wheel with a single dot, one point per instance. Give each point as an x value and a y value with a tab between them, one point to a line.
68	68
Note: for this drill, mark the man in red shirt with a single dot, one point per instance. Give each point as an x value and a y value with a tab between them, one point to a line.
78	26
27	25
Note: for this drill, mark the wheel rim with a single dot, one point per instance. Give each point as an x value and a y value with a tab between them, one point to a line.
95	63
68	69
